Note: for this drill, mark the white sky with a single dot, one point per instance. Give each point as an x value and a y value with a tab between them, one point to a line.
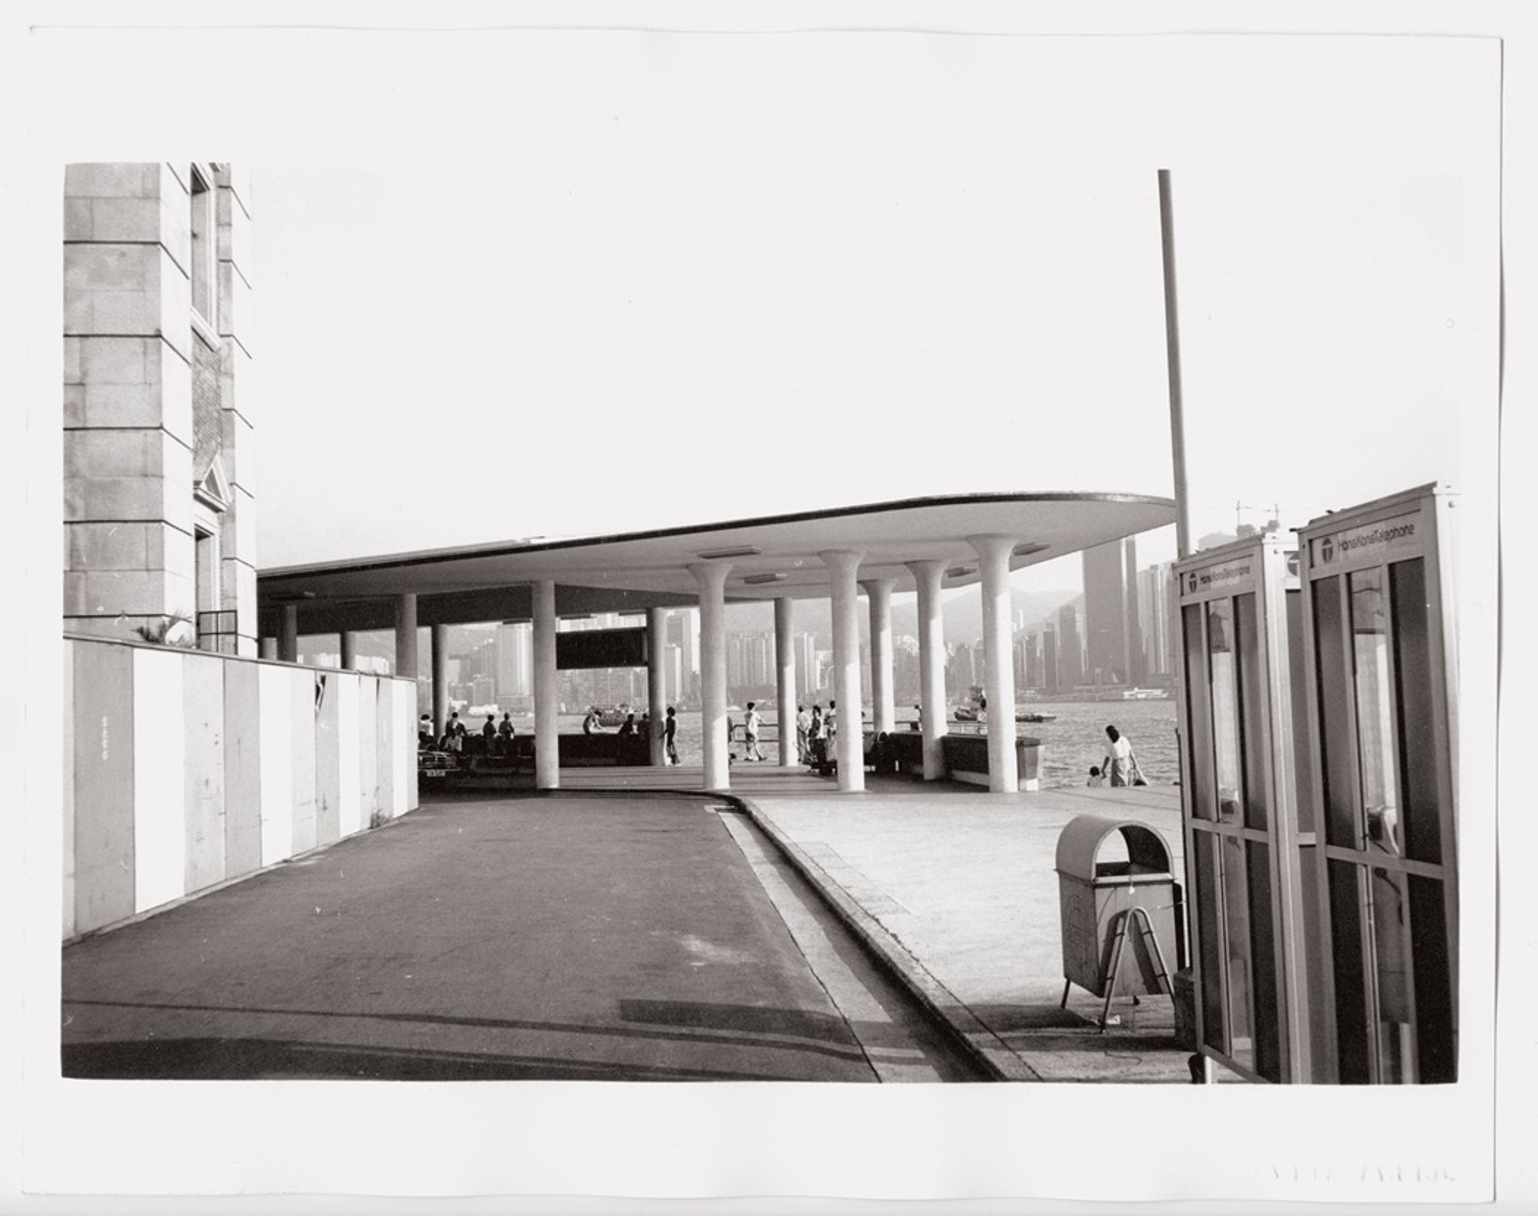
695	278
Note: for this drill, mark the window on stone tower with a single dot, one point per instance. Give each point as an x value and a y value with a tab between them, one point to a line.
203	240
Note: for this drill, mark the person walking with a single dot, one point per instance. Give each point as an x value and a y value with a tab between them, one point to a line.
750	725
830	728
817	736
670	738
803	735
1120	766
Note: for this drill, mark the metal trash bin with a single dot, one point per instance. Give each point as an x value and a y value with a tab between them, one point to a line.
1115	910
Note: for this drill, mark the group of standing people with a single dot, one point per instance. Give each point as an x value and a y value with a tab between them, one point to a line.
816	734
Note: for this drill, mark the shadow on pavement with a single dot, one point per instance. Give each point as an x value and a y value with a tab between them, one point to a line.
831	1036
207	1059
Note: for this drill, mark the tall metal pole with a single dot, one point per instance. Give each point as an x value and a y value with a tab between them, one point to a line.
1202	1065
1172	361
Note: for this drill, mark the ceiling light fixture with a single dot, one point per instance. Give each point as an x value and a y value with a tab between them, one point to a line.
739	551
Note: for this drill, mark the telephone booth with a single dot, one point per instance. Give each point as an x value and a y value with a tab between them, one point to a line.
1240	808
1381	680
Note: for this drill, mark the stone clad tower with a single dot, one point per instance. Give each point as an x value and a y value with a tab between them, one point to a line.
158	512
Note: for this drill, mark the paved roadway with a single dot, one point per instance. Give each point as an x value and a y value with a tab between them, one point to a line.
634	937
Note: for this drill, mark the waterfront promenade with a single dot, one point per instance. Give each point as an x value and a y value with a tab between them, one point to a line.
961	886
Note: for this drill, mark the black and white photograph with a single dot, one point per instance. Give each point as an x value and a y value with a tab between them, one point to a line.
775	559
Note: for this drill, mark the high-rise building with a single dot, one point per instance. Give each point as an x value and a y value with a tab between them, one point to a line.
1105	612
1049	660
1070	649
672	673
759	659
807	682
1137	661
1030	660
1153	617
683	630
514	659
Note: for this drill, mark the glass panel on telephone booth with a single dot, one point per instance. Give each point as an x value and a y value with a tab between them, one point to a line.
1376	737
1224	677
1390	925
1236	912
1200	712
1252	688
1268	1059
1330	654
1350	974
1297	668
1434	1037
1412	662
1205	848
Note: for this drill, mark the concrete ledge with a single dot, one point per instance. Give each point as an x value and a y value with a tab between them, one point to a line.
986	1047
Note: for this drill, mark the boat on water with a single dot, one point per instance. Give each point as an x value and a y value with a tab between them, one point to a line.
613	715
969	713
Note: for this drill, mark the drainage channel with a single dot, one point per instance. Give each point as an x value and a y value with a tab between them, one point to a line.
901	1039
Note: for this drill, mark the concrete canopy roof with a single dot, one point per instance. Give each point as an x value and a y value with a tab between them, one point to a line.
770	556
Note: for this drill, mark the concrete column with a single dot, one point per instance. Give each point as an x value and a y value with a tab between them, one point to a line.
883	708
288	639
785	679
349	641
547	760
406	636
842	565
656	689
711	577
440	662
269	648
998	660
927	576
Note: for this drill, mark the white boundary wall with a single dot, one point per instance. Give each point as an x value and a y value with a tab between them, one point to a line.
152	810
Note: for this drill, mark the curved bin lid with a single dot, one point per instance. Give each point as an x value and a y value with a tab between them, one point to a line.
1079	843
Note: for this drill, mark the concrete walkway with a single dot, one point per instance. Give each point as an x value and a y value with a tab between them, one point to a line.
577	937
958	888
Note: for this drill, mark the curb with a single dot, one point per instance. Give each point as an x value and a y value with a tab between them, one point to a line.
981	1043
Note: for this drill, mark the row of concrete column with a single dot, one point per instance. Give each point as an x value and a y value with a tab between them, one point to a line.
843	565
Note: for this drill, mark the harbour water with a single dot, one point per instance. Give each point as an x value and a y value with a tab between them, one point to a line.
1072	742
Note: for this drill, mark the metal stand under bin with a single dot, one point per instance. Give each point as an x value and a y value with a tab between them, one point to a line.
1115	909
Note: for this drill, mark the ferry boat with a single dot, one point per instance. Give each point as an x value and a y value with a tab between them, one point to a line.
613	715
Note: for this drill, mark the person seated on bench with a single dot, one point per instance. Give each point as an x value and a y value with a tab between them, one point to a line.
627	727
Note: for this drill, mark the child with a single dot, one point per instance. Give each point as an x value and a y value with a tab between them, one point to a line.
1096	779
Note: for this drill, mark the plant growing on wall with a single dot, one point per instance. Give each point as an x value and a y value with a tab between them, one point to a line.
175	629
